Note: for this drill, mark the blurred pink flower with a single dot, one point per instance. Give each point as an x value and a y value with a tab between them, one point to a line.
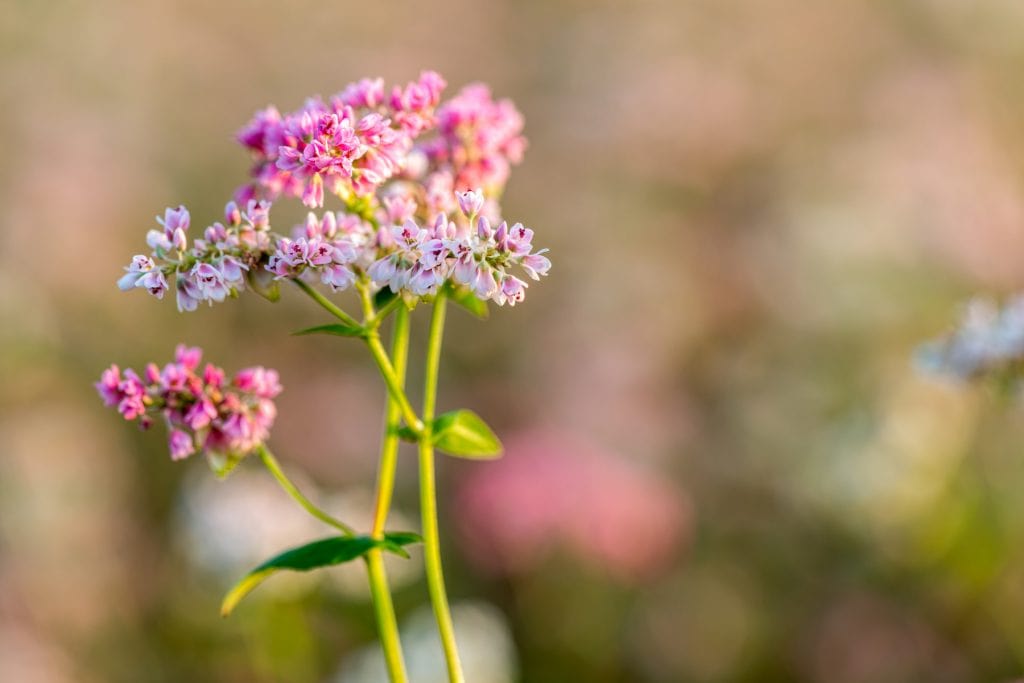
557	489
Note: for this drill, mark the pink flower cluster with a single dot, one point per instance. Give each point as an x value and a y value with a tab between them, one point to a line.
555	491
470	252
213	267
478	139
351	144
330	246
405	165
203	412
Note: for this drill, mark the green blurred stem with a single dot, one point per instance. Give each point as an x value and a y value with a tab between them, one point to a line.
386	623
428	496
275	469
372	338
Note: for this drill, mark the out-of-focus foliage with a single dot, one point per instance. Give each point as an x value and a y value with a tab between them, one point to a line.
757	209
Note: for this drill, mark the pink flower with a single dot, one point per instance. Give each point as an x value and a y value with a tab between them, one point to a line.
188	357
180	444
135	271
535	265
478	139
108	386
175	219
470	201
512	290
210	282
258	381
155	282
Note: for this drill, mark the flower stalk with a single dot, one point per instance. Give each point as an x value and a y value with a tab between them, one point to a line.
428	496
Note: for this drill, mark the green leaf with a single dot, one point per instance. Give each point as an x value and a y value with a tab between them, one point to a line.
337	329
222	463
263	283
382	298
406	434
323	553
465	434
465	297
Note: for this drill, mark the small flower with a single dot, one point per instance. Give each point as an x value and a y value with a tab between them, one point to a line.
180	444
135	271
210	282
470	201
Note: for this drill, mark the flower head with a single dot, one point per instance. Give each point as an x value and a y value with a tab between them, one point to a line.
202	413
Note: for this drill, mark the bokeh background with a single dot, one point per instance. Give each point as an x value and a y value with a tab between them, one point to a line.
722	465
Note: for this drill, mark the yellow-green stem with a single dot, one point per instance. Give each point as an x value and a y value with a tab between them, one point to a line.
275	469
386	623
380	356
428	497
326	303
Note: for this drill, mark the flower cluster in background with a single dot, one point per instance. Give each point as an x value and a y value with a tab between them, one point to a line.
419	182
552	491
989	340
203	411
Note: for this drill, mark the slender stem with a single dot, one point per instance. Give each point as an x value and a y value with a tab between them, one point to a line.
428	498
386	309
275	469
386	623
380	356
392	421
327	304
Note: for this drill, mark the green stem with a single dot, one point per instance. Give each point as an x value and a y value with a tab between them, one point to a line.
275	469
428	497
395	390
392	421
327	304
383	606
380	356
386	309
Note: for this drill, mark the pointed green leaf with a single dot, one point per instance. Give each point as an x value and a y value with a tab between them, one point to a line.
401	538
323	553
337	329
465	297
465	434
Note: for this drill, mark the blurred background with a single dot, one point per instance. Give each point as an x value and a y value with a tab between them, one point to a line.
721	464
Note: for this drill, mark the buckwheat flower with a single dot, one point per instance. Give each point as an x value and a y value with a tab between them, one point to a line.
367	92
470	202
108	386
258	381
210	282
478	139
187	293
348	145
180	444
511	291
318	248
155	282
135	271
203	412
